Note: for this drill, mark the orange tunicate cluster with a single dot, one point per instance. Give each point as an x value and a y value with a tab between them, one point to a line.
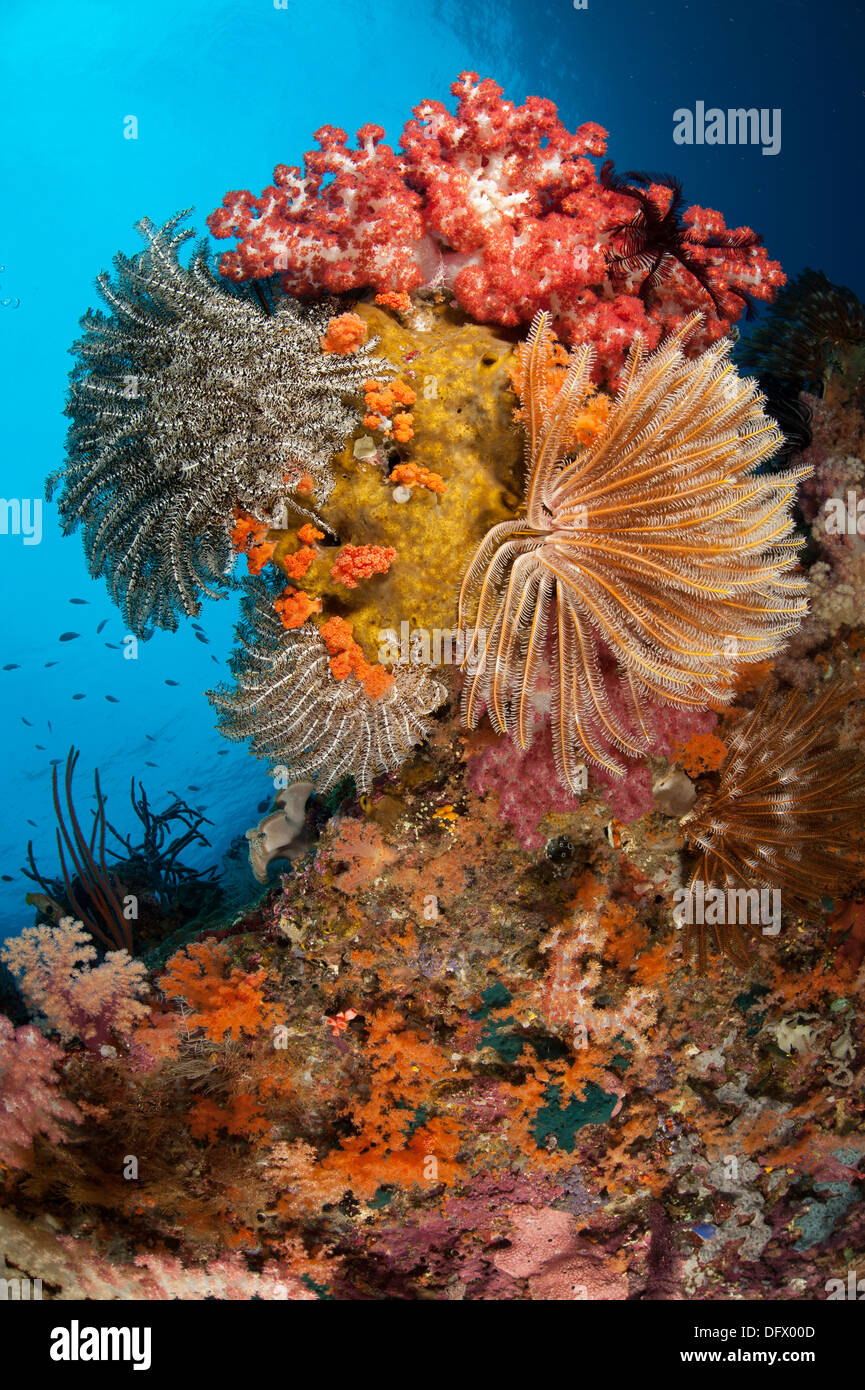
415	475
294	607
702	753
381	400
356	562
592	419
347	658
397	300
248	534
344	334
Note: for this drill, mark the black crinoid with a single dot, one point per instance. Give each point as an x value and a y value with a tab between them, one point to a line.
809	321
653	239
791	349
304	722
192	396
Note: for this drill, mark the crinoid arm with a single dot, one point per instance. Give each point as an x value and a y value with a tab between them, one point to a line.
786	814
298	717
652	562
190	397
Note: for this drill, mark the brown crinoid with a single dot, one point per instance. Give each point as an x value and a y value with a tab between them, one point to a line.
787	815
649	565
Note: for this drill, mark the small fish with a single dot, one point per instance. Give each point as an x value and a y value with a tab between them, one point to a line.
150	736
112	699
7	878
40	746
214	658
79	697
223	753
172	682
151	764
112	646
201	637
198	627
262	807
54	762
50	906
103	624
50	730
12	666
68	636
32	822
50	663
26	721
79	600
191	787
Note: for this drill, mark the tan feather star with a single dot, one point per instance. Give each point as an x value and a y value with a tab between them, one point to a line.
656	554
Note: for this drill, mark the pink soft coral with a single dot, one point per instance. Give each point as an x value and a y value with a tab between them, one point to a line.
76	999
29	1102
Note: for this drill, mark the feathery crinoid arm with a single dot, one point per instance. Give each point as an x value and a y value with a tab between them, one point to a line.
786	813
669	555
190	397
295	714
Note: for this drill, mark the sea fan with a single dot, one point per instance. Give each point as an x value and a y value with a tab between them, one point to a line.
648	567
298	716
787	812
193	396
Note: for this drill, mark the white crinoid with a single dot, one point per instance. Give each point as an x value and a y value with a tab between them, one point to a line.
300	718
649	565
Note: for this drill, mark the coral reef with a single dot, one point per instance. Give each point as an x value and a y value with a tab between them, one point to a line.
458	1048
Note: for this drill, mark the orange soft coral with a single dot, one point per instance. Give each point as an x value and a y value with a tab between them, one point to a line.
294	607
241	1117
308	535
702	753
344	334
397	300
415	475
356	562
403	430
380	401
347	658
248	534
297	564
221	1000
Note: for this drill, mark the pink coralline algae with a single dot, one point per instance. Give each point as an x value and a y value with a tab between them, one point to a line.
30	1103
502	204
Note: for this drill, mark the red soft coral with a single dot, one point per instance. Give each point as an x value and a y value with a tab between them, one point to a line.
499	201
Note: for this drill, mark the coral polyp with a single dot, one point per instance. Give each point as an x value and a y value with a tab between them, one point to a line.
656	557
189	398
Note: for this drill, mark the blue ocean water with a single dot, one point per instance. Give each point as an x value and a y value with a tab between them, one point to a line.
223	92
